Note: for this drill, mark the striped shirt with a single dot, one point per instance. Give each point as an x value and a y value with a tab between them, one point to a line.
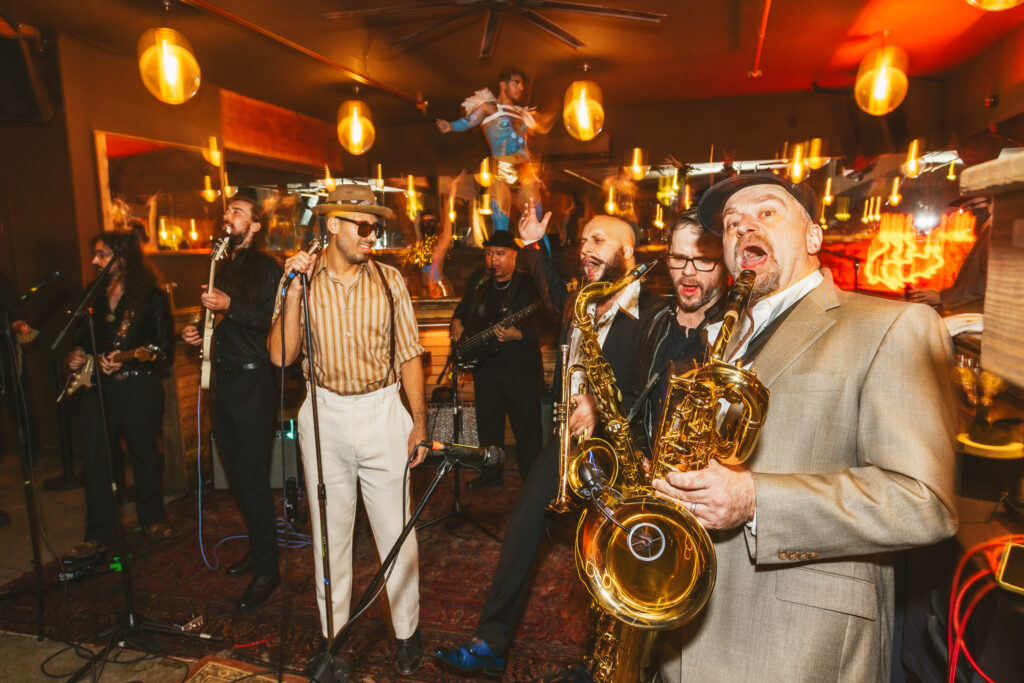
350	331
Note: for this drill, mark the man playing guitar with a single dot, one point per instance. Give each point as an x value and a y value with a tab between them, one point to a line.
243	412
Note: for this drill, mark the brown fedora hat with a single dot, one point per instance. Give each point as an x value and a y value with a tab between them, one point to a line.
352	199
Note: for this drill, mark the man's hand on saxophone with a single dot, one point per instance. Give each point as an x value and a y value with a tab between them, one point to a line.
584	416
719	496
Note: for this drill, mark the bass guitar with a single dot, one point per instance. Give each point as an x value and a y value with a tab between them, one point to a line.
219	249
469	350
82	377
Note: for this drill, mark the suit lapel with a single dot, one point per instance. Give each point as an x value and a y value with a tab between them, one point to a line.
805	324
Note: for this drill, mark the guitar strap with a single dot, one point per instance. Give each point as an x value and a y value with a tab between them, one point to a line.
391	327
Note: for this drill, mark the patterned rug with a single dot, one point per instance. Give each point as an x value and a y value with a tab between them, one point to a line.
172	584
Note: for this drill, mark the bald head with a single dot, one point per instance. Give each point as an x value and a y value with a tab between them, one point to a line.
606	248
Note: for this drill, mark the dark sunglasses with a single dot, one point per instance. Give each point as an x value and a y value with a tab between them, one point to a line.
364	228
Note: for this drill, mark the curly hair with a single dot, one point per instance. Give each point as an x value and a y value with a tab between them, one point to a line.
137	276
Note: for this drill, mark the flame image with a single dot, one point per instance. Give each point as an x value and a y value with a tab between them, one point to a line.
899	256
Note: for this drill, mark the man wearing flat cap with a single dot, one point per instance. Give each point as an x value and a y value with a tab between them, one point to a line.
365	347
855	459
507	380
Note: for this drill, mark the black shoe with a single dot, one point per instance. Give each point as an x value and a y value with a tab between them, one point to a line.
258	591
410	654
242	566
491	476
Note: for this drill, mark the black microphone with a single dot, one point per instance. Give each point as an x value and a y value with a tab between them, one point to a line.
42	284
492	455
317	245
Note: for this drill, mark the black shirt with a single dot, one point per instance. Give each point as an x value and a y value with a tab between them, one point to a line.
137	321
250	278
484	306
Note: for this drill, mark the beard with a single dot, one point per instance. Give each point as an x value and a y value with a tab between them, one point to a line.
612	269
693	304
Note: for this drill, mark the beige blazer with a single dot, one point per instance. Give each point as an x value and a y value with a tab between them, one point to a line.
855	460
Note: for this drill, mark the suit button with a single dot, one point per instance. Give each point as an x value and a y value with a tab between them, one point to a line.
783	555
804	556
793	555
813	555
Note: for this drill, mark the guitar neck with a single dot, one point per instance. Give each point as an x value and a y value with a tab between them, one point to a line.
122	356
516	317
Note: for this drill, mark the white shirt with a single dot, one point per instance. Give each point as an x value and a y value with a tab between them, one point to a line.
628	301
762	313
760	316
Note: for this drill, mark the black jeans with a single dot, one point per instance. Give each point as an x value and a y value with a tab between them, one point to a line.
514	391
510	586
135	409
243	425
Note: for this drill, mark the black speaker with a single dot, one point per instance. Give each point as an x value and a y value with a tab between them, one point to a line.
24	96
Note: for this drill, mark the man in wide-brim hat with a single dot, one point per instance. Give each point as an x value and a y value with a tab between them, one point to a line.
365	346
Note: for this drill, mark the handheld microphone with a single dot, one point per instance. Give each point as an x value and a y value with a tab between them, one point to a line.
42	284
316	246
492	455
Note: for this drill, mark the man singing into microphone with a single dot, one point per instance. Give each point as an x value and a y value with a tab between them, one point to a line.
364	346
243	409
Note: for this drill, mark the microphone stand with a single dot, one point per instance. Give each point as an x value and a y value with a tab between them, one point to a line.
24	441
324	672
321	489
130	624
457	512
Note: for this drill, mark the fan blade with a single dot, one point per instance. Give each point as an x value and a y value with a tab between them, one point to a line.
391	9
550	27
490	33
428	29
585	8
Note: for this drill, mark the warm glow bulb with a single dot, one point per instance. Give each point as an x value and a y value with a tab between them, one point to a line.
658	217
356	132
994	5
912	167
952	171
687	201
582	111
167	66
636	168
209	194
485	204
484	177
814	158
895	197
163	228
881	83
192	231
610	206
797	167
229	189
867	210
827	198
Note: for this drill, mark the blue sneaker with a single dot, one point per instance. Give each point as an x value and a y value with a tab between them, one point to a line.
476	657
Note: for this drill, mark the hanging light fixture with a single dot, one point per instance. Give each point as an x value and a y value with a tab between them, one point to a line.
635	166
412	201
994	5
912	167
484	176
167	66
687	200
484	209
881	81
582	111
895	197
843	209
209	194
229	189
451	208
814	158
212	153
827	198
192	229
610	207
327	181
659	221
355	127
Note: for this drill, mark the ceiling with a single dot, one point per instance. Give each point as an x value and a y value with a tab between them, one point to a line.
702	49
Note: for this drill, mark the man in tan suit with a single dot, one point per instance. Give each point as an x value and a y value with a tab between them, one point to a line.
855	459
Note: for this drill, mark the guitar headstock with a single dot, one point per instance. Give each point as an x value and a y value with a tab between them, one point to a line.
220	247
146	354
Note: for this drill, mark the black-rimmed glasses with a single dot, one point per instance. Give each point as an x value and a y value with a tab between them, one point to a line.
702	264
364	228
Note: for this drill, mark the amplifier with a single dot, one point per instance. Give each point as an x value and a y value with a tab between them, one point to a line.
286	438
441	421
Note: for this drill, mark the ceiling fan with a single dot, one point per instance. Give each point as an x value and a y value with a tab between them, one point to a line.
523	9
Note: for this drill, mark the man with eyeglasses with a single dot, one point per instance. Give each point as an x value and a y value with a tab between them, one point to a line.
365	347
673	339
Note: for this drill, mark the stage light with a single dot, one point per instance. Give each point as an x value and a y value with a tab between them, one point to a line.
167	66
994	5
881	81
209	194
582	111
635	166
355	127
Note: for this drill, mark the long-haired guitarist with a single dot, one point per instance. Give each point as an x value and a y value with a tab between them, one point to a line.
129	314
507	378
243	409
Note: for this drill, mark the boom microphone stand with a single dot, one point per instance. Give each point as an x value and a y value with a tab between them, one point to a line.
457	512
131	624
454	456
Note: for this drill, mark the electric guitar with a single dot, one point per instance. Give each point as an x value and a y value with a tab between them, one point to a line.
82	377
469	350
219	249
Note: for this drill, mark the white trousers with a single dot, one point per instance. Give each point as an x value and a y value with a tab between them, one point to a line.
363	439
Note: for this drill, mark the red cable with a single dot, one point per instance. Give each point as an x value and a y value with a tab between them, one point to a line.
252	644
954	629
960	644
